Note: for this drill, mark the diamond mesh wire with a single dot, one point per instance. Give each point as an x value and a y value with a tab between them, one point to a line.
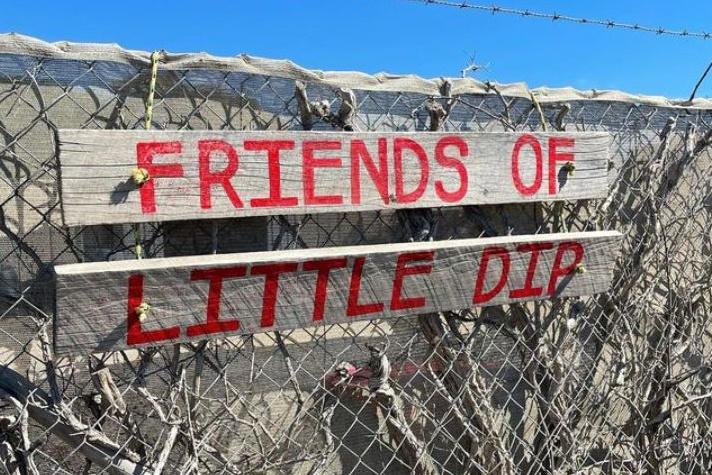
620	382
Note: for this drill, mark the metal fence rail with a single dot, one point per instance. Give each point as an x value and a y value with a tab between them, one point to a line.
620	382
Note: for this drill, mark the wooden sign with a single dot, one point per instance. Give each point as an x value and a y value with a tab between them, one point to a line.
125	176
106	306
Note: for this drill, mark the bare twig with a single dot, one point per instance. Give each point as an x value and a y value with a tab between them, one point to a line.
344	118
309	111
507	120
560	116
167	448
535	103
699	82
439	113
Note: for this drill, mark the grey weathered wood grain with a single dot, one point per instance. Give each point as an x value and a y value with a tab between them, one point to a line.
96	167
92	298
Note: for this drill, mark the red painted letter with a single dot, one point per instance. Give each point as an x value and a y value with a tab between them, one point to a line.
379	175
213	323
222	178
529	290
311	162
273	148
527	139
322	280
400	144
269	297
134	334
557	271
397	300
145	152
353	308
555	156
503	254
450	162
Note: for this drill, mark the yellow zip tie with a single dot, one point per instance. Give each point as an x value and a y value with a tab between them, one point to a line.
569	167
140	176
142	311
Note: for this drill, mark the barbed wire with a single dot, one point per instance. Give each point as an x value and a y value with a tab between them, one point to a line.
571	19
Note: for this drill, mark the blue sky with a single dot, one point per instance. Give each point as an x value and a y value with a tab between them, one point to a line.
400	36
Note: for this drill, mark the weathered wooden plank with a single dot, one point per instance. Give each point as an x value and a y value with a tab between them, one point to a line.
99	304
217	174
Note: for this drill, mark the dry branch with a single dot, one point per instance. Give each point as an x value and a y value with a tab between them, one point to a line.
467	391
310	111
482	441
412	449
61	422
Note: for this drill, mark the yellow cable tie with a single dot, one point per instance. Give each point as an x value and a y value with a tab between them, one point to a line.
140	176
142	311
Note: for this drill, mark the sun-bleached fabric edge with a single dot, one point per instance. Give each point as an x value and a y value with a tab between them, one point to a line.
13	43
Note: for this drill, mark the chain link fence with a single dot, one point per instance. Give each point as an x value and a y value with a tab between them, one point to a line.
620	382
